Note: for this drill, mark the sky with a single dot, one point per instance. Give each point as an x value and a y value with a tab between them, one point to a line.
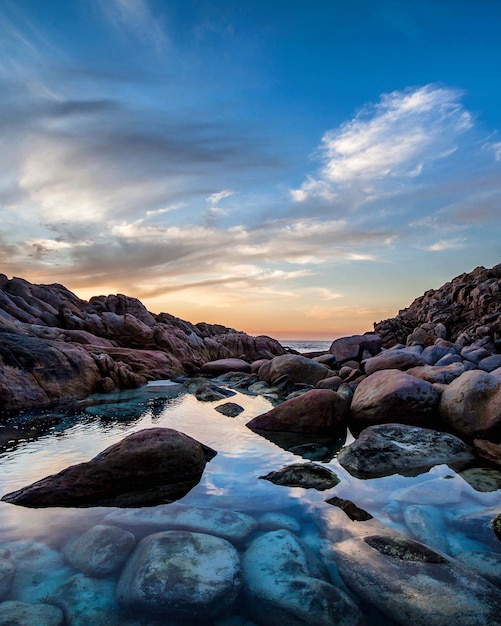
295	168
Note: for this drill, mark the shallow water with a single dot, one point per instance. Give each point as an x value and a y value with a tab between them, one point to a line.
35	445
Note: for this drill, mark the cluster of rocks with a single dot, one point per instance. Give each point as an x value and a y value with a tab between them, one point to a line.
55	346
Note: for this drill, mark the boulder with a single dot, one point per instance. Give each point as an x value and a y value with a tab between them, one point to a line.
488	450
316	411
284	585
471	406
16	613
348	348
100	551
223	366
306	475
145	468
442	374
294	368
230	409
389	448
412	584
401	359
181	575
393	396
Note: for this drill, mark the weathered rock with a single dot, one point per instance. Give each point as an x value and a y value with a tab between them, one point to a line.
394	396
306	475
471	406
402	359
223	366
316	411
347	348
230	525
412	584
13	613
100	551
284	588
390	448
145	468
181	575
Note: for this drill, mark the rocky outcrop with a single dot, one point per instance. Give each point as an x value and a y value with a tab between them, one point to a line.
55	346
146	468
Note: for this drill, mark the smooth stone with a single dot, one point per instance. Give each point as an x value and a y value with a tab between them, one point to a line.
402	359
486	564
448	359
443	374
432	354
100	551
284	587
224	523
480	524
294	368
230	409
427	525
332	382
275	521
483	479
488	450
306	475
14	613
223	366
490	363
390	448
353	347
7	573
39	570
474	354
182	575
412	584
316	411
393	396
437	491
147	467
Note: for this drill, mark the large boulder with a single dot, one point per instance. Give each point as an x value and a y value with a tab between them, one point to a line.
148	467
293	368
316	411
223	366
471	406
391	396
399	359
181	575
284	586
355	347
389	448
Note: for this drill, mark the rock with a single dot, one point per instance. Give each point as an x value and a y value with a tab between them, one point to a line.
181	575
347	348
490	363
7	573
412	584
443	374
236	380
275	521
230	409
471	406
486	564
488	450
432	354
15	613
402	359
437	491
306	475
332	382
223	366
480	524
389	448
316	411
212	393
294	368
475	354
145	468
100	551
283	588
496	526
427	525
230	525
394	396
482	479
350	508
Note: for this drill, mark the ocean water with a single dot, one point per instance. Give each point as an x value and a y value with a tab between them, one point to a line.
307	345
36	444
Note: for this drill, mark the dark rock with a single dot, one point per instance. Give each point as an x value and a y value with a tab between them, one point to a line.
223	366
488	450
296	368
148	467
347	348
13	613
230	409
306	475
402	359
355	513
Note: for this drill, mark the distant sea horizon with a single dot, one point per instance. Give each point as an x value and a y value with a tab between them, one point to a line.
306	345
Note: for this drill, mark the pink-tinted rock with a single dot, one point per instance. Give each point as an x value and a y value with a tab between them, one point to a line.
393	359
392	396
316	411
294	368
443	374
223	366
346	348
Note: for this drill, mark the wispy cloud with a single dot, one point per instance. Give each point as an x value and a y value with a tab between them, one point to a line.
137	18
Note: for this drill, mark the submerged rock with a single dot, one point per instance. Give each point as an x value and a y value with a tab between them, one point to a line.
181	575
285	587
230	409
389	448
306	475
412	584
355	513
14	613
7	573
147	467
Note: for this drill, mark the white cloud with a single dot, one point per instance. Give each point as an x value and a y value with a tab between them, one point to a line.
215	198
395	139
136	17
446	244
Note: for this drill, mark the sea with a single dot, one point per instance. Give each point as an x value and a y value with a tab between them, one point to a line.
306	345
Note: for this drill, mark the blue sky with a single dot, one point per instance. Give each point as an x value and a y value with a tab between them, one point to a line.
300	169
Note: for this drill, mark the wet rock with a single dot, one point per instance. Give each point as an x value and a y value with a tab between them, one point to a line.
355	513
223	366
482	479
181	575
13	613
471	406
145	468
100	551
282	586
236	380
427	524
230	409
316	411
412	584
7	573
332	382
306	475
486	564
393	396
224	523
437	491
389	448
480	525
212	393
275	521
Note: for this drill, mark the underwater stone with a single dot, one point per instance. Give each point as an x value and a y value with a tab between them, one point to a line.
224	523
306	475
181	575
427	524
17	613
281	588
100	551
437	491
487	564
482	525
230	409
275	520
411	584
483	479
7	573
